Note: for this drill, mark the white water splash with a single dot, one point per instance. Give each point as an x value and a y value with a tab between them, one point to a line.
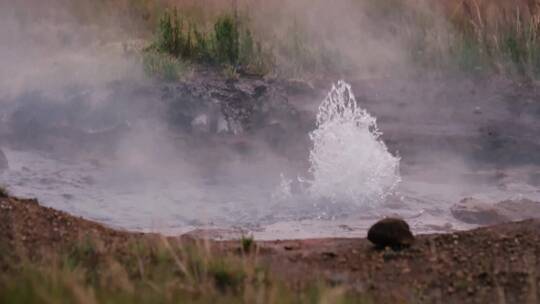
349	161
283	191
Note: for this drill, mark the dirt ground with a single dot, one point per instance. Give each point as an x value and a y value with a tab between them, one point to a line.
498	264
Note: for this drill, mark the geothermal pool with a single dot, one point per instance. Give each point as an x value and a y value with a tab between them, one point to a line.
159	204
351	181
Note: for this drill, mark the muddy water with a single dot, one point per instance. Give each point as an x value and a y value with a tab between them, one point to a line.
451	146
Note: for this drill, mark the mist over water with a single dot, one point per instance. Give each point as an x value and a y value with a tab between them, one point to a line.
85	131
178	187
147	178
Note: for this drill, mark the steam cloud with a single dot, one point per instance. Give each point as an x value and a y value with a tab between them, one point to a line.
62	73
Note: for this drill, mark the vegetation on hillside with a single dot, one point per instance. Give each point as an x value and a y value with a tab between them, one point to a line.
478	36
305	38
471	36
150	270
229	44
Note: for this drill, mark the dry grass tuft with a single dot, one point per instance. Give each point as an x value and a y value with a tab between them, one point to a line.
150	269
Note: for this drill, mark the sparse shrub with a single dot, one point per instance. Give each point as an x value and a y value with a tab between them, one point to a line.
226	40
230	44
225	276
301	53
496	36
84	252
247	242
294	53
254	59
169	33
150	270
247	47
203	46
467	56
229	72
162	65
464	35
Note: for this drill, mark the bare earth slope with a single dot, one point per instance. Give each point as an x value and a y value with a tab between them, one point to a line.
487	265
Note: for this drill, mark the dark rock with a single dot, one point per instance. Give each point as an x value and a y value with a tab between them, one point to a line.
254	89
236	103
391	232
298	86
259	91
3	161
473	211
519	210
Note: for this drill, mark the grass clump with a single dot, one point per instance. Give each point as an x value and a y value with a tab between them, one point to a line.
170	38
247	242
227	40
150	269
477	36
163	66
375	37
225	277
229	44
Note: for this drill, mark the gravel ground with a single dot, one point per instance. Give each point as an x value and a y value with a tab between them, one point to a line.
497	264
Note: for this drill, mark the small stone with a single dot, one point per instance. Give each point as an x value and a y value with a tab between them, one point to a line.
391	232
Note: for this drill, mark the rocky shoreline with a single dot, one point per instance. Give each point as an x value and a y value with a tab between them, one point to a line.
497	264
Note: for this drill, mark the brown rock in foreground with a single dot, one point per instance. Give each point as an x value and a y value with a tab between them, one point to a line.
391	232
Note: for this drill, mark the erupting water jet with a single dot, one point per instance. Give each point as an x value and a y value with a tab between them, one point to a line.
349	161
